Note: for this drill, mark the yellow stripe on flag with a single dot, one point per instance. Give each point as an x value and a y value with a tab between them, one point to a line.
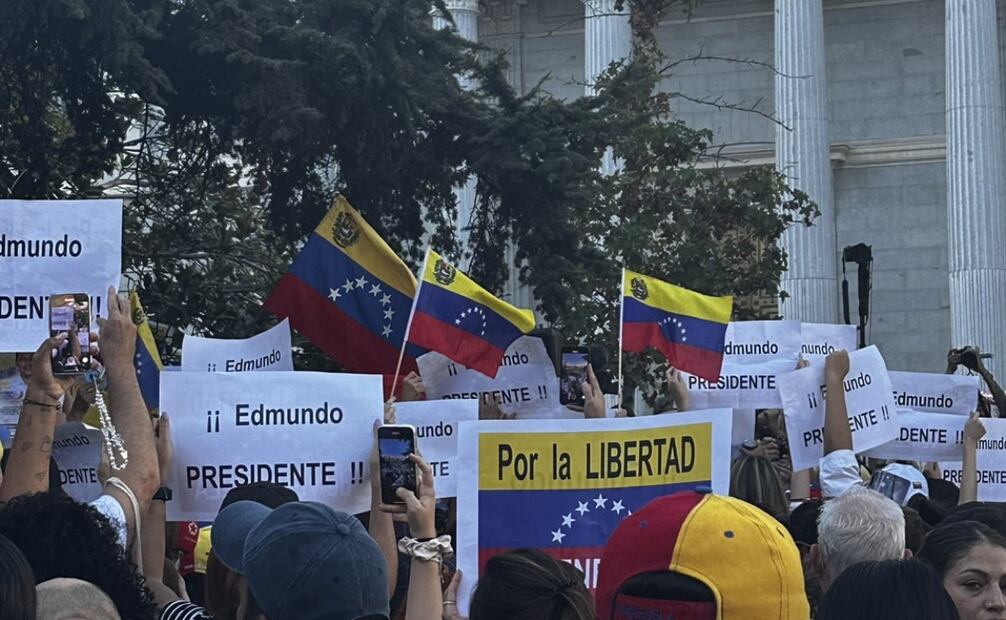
345	228
464	286
143	328
676	299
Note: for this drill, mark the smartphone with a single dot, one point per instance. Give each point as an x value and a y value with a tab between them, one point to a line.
574	375
395	442
70	313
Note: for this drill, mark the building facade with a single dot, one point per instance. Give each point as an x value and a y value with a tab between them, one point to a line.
891	117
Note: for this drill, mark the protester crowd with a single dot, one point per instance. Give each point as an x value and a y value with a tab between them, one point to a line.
785	544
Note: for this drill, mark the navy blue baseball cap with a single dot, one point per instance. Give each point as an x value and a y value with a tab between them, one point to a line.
305	561
230	529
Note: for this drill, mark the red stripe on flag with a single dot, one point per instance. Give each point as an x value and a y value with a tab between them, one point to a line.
352	345
461	346
697	361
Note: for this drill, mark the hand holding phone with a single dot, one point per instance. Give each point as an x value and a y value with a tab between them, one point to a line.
395	444
574	375
70	314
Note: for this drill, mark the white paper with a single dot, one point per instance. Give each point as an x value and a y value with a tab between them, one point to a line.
525	384
437	428
991	461
76	448
268	351
229	431
924	436
52	247
869	400
755	354
542	485
822	339
936	393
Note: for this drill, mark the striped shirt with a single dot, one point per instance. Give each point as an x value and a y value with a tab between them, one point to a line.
183	610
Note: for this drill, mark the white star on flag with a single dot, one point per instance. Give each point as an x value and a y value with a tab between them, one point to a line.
568	520
386	331
617	507
583	508
600	501
361	282
557	536
348	285
375	290
385	300
389	313
335	294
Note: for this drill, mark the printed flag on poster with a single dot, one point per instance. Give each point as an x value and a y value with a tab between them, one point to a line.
349	294
147	360
687	327
458	318
562	486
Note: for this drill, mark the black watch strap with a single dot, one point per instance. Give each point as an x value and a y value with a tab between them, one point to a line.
163	494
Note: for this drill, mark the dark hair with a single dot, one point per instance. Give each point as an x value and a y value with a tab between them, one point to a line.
931	512
915	529
943	493
63	538
753	479
223	594
269	494
802	524
528	584
17	584
887	590
950	542
990	515
667	586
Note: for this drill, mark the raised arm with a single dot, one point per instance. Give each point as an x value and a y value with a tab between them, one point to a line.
128	412
997	392
974	430
381	524
837	434
678	388
28	467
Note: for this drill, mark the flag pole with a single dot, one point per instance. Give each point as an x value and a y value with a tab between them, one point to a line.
621	318
408	325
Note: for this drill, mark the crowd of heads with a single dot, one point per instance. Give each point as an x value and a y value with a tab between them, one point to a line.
774	548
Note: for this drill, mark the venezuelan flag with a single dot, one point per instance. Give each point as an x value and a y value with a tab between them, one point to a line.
147	360
687	327
458	318
349	294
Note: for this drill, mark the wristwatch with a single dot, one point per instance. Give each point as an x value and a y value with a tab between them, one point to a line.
163	494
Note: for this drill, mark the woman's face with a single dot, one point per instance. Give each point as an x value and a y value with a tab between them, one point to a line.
977	583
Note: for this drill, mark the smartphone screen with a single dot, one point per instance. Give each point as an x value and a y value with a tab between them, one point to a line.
394	445
70	313
574	374
891	486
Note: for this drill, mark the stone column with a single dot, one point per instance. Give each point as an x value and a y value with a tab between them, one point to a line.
803	154
607	37
466	18
975	179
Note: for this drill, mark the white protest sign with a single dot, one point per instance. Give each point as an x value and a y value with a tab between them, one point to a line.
76	448
49	247
12	390
563	486
755	353
924	436
310	431
991	461
437	423
821	339
869	399
526	383
269	350
936	393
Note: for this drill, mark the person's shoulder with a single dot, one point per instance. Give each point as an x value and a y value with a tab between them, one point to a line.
184	610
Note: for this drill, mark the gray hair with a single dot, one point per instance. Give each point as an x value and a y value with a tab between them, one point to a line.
66	599
859	526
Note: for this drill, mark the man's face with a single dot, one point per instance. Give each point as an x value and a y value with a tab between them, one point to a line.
23	361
